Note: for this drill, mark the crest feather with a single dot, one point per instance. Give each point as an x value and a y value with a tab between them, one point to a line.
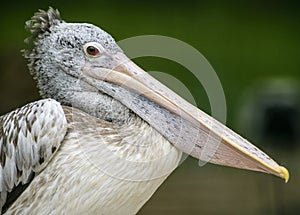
39	25
41	22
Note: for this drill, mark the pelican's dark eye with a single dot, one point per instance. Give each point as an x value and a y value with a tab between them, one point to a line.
92	50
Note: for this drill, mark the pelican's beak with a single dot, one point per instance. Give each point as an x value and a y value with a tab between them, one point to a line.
184	125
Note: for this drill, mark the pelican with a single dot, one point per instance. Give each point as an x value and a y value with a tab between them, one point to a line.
106	134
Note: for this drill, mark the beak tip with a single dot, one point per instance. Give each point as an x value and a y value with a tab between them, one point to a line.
284	173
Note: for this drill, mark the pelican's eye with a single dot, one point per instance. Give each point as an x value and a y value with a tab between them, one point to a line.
93	49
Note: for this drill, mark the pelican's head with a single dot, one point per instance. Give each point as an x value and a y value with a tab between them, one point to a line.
81	65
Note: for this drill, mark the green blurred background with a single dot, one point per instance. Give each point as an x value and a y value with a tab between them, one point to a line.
254	46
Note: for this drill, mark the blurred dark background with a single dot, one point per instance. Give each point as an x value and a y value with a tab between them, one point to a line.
254	46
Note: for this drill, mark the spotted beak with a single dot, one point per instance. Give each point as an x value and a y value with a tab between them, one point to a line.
184	125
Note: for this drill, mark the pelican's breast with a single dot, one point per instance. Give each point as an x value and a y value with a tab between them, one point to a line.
101	168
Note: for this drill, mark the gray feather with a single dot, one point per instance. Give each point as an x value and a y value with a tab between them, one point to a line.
55	54
29	136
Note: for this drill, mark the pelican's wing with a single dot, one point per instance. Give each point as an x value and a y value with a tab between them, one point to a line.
29	137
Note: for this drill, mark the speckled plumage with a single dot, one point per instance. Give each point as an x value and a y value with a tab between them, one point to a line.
80	171
29	137
116	148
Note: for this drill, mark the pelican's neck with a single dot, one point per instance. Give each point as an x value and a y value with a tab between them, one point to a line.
100	105
75	92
